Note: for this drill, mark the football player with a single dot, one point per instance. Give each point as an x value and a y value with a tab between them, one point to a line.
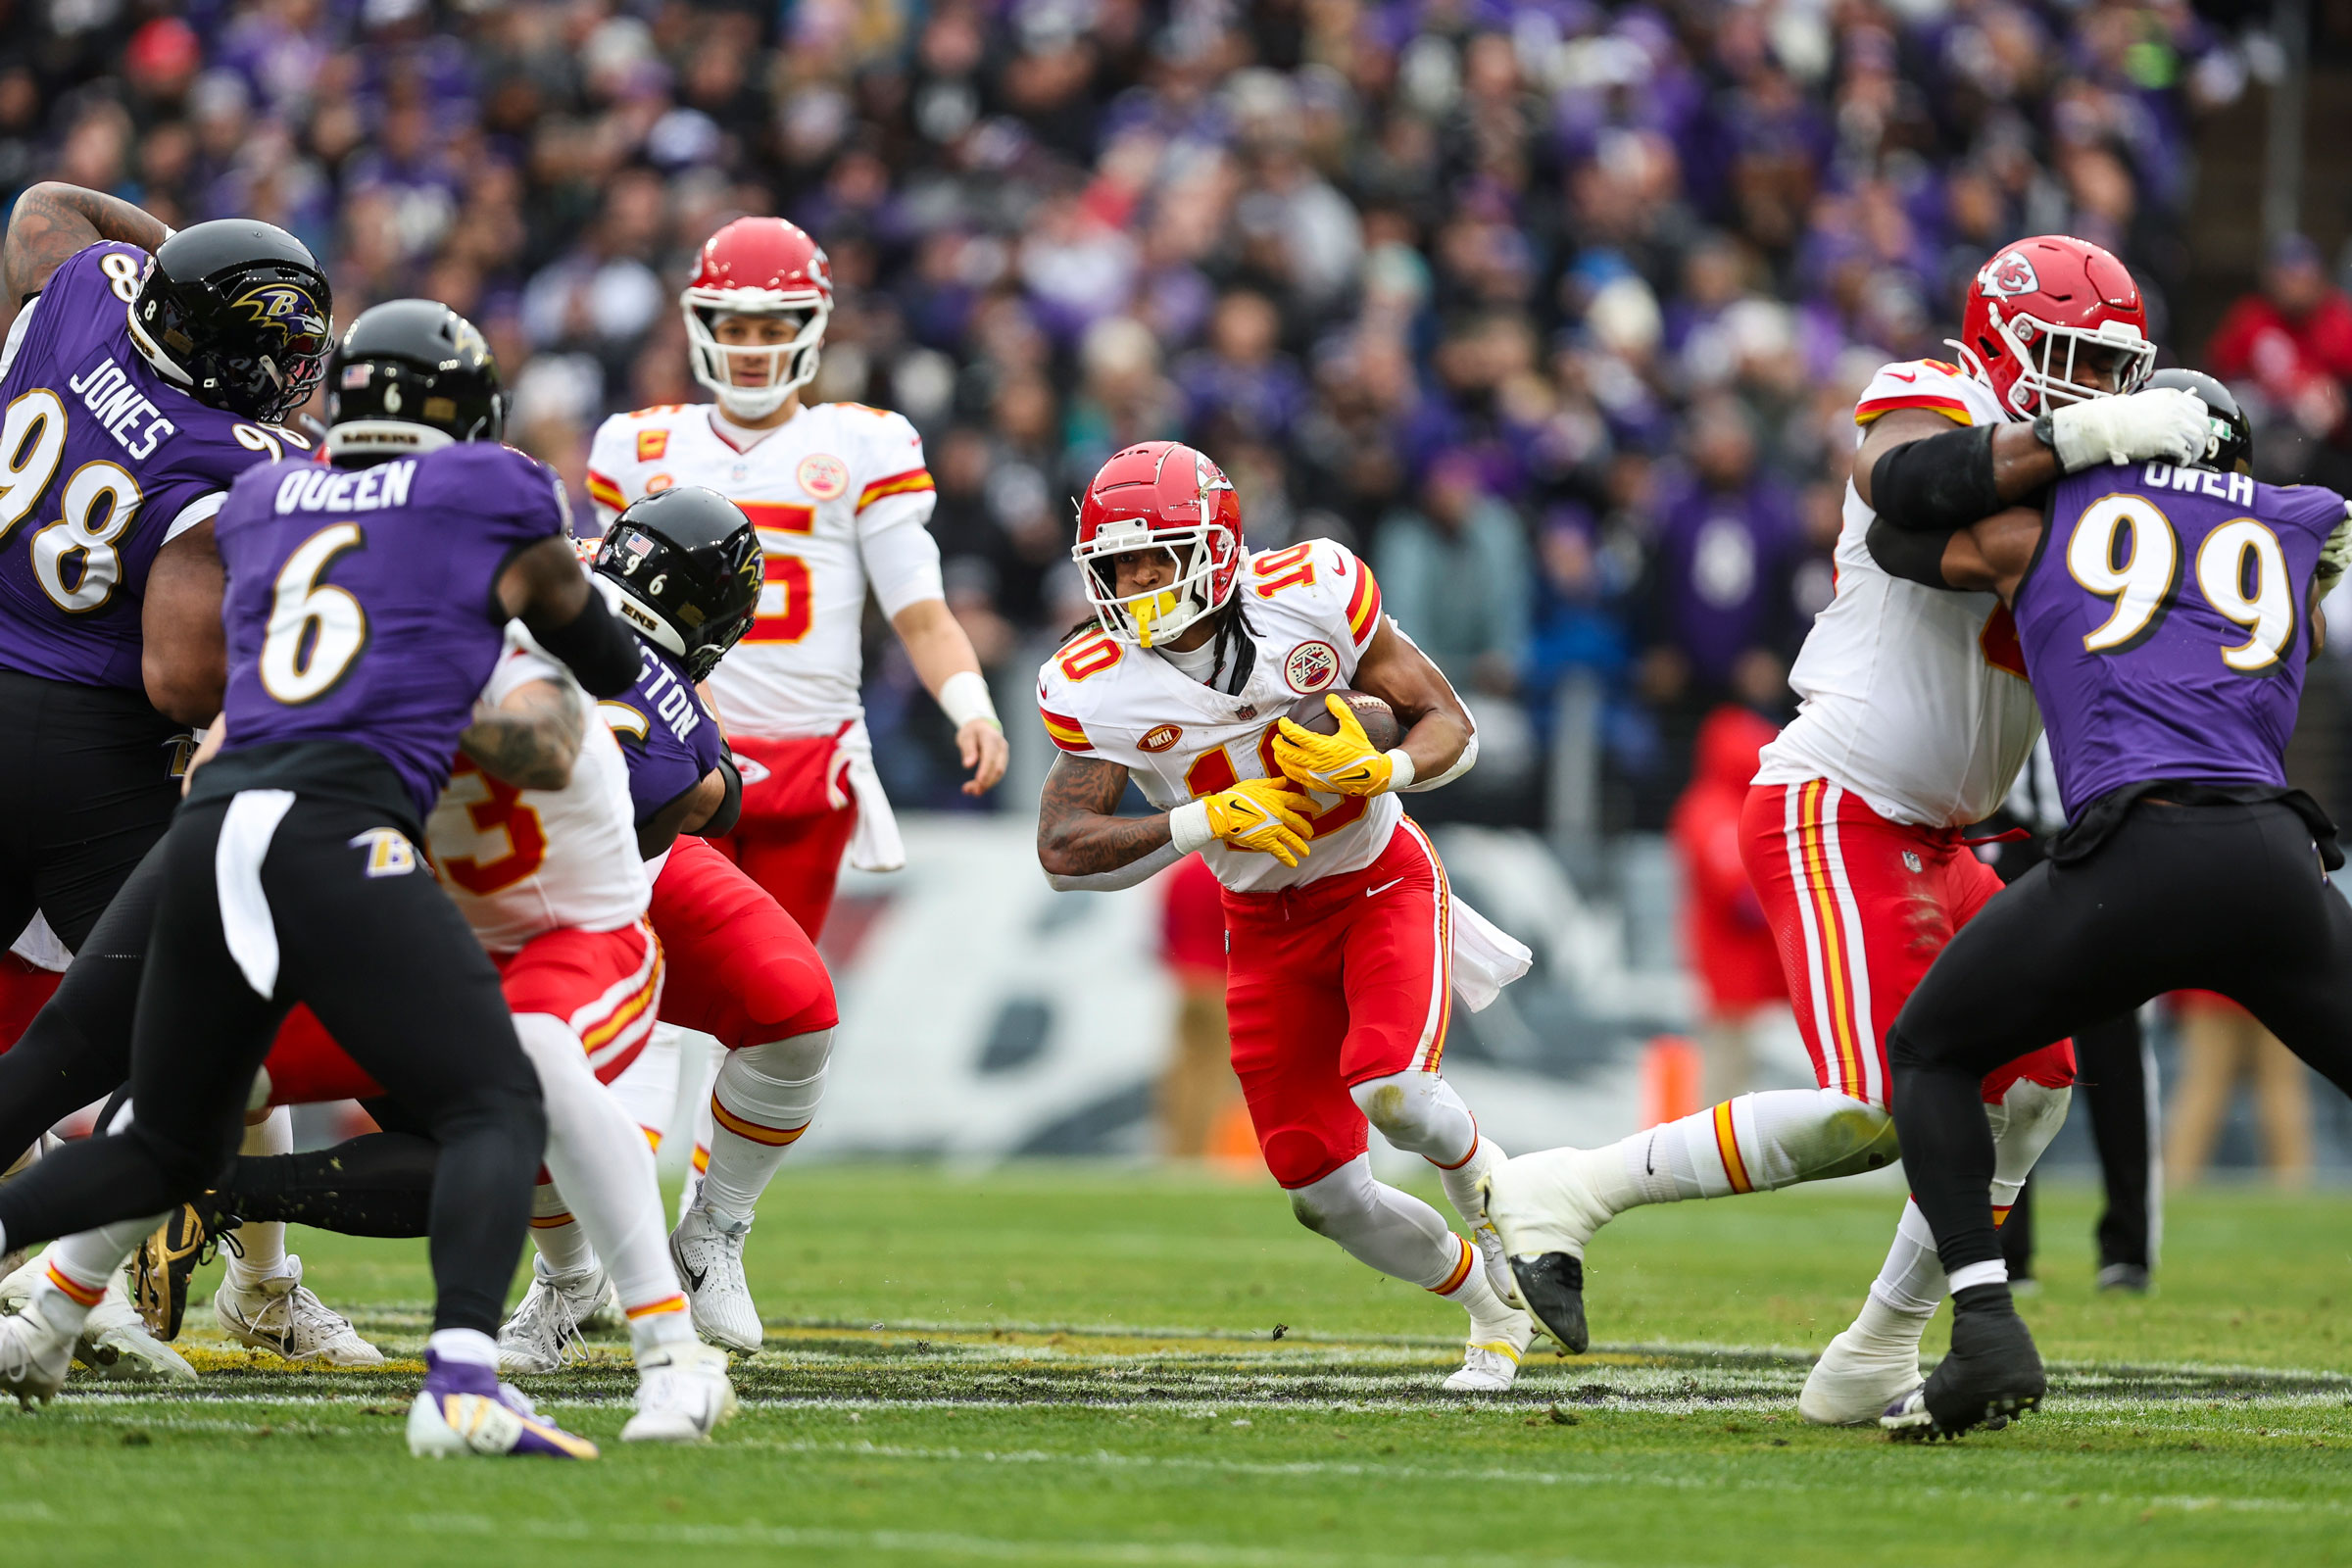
143	372
1340	930
684	563
1916	718
839	494
2167	612
364	607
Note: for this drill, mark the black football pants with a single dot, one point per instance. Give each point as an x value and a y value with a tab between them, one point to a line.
2226	898
254	913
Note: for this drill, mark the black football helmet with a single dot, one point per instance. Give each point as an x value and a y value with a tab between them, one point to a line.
688	568
411	375
2232	449
237	312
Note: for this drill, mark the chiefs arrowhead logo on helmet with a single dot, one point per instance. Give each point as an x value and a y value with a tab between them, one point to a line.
2008	276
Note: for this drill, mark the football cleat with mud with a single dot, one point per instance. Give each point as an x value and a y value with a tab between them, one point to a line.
1552	1284
1991	1375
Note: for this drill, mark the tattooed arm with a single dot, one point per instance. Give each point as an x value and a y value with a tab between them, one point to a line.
1081	844
52	222
530	739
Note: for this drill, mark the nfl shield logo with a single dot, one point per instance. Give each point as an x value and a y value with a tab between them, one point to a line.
1911	863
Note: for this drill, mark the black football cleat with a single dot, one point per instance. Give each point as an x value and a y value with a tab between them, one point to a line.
189	1238
1991	1375
1552	1284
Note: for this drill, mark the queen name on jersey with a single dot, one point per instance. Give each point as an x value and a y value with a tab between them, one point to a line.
355	614
1311	611
102	459
2169	602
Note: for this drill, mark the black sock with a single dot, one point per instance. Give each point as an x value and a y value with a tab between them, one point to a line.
378	1185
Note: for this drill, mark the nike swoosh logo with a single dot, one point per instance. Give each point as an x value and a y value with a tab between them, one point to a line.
1904	376
693	1277
1374	893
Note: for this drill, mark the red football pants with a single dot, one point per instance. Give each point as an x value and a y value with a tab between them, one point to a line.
1861	907
606	985
789	839
740	967
1329	984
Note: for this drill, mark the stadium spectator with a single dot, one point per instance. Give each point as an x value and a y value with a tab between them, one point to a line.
2288	350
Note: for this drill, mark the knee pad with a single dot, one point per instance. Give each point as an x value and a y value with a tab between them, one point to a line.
1327	1203
777	1085
1847	1137
2023	1122
1298	1159
1419	1112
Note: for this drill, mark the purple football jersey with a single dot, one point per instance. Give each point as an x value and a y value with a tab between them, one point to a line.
106	460
362	602
669	738
2162	622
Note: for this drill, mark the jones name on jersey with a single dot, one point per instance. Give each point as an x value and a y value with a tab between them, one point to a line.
1914	698
839	495
1311	612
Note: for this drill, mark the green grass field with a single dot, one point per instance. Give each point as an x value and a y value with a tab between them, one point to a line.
1080	1365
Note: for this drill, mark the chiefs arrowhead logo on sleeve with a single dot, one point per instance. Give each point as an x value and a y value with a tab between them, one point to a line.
2008	276
652	445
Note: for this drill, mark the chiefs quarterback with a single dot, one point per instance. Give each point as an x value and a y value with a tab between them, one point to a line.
1916	718
840	496
1341	931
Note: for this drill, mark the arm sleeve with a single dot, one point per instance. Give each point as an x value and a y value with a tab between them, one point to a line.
901	560
730	805
1913	556
1129	875
1937	484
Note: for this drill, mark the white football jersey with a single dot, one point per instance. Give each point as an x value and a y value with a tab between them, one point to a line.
1312	611
521	863
1914	698
821	489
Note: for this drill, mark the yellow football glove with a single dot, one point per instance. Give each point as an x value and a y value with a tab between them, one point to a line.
1267	814
1336	764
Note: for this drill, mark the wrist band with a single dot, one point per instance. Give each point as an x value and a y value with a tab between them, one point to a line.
964	697
1400	765
1187	826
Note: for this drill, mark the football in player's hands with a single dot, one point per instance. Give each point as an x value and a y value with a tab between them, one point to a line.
1379	719
1329	743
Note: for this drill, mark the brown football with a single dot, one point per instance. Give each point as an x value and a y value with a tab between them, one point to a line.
1378	717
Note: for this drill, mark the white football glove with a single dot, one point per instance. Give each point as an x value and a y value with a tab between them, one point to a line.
2337	554
2163	422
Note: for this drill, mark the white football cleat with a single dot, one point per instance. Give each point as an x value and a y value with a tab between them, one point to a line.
709	1257
540	1335
1496	1259
682	1393
464	1410
34	1357
1490	1361
1857	1378
116	1345
282	1316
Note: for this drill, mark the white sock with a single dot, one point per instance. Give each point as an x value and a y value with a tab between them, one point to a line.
472	1346
648	1089
557	1233
1753	1144
1911	1282
1461	1181
260	1250
1392	1231
649	1331
600	1163
80	1267
764	1100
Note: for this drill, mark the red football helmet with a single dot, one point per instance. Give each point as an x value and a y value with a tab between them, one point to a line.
1159	494
758	266
2041	292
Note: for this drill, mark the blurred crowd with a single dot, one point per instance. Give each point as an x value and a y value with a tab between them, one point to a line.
1555	309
